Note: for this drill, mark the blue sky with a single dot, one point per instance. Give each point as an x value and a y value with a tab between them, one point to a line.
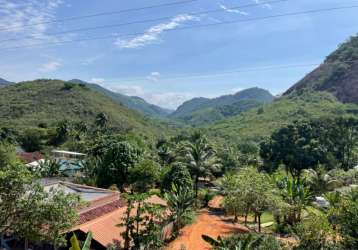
164	63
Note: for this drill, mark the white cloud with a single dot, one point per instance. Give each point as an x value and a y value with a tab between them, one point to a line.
227	9
50	66
97	80
235	90
154	76
28	19
152	34
264	5
169	100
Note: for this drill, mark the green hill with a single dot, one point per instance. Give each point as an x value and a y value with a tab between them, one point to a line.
132	102
49	101
199	111
337	75
260	122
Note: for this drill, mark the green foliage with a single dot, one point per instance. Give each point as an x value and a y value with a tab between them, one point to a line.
179	202
315	232
178	175
113	165
345	217
200	111
32	139
49	168
30	211
7	155
75	245
143	227
144	175
296	146
297	196
27	104
247	241
249	191
321	181
200	158
253	126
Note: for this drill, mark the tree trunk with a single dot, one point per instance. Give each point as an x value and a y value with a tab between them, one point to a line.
196	186
259	221
235	216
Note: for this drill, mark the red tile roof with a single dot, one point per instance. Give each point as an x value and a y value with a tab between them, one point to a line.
30	157
101	210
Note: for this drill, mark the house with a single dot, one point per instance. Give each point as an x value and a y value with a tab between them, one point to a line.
70	163
103	212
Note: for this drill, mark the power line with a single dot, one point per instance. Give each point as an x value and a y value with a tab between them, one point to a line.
190	27
254	69
142	21
100	14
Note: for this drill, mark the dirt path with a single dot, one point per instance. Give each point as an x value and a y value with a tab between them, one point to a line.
211	222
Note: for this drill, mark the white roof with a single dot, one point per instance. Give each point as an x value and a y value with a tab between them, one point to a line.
35	163
66	152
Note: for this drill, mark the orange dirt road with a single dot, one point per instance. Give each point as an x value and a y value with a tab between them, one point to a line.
210	221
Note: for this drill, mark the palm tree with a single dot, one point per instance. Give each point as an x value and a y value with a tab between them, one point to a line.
179	200
320	181
200	158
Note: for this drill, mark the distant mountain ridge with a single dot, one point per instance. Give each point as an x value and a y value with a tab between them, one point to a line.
132	102
202	110
4	82
338	74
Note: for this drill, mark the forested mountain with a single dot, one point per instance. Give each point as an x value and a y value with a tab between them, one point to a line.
45	101
132	102
338	74
328	91
260	122
199	111
4	82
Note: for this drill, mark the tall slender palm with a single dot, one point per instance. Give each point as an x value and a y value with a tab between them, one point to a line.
200	158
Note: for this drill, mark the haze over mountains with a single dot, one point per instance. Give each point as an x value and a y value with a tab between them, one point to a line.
132	102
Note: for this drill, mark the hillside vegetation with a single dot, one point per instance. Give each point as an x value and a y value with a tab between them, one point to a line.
49	101
132	102
337	75
199	111
261	122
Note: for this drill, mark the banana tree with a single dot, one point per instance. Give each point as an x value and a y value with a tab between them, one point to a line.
75	245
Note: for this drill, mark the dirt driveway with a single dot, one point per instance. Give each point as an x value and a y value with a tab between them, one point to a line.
211	222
